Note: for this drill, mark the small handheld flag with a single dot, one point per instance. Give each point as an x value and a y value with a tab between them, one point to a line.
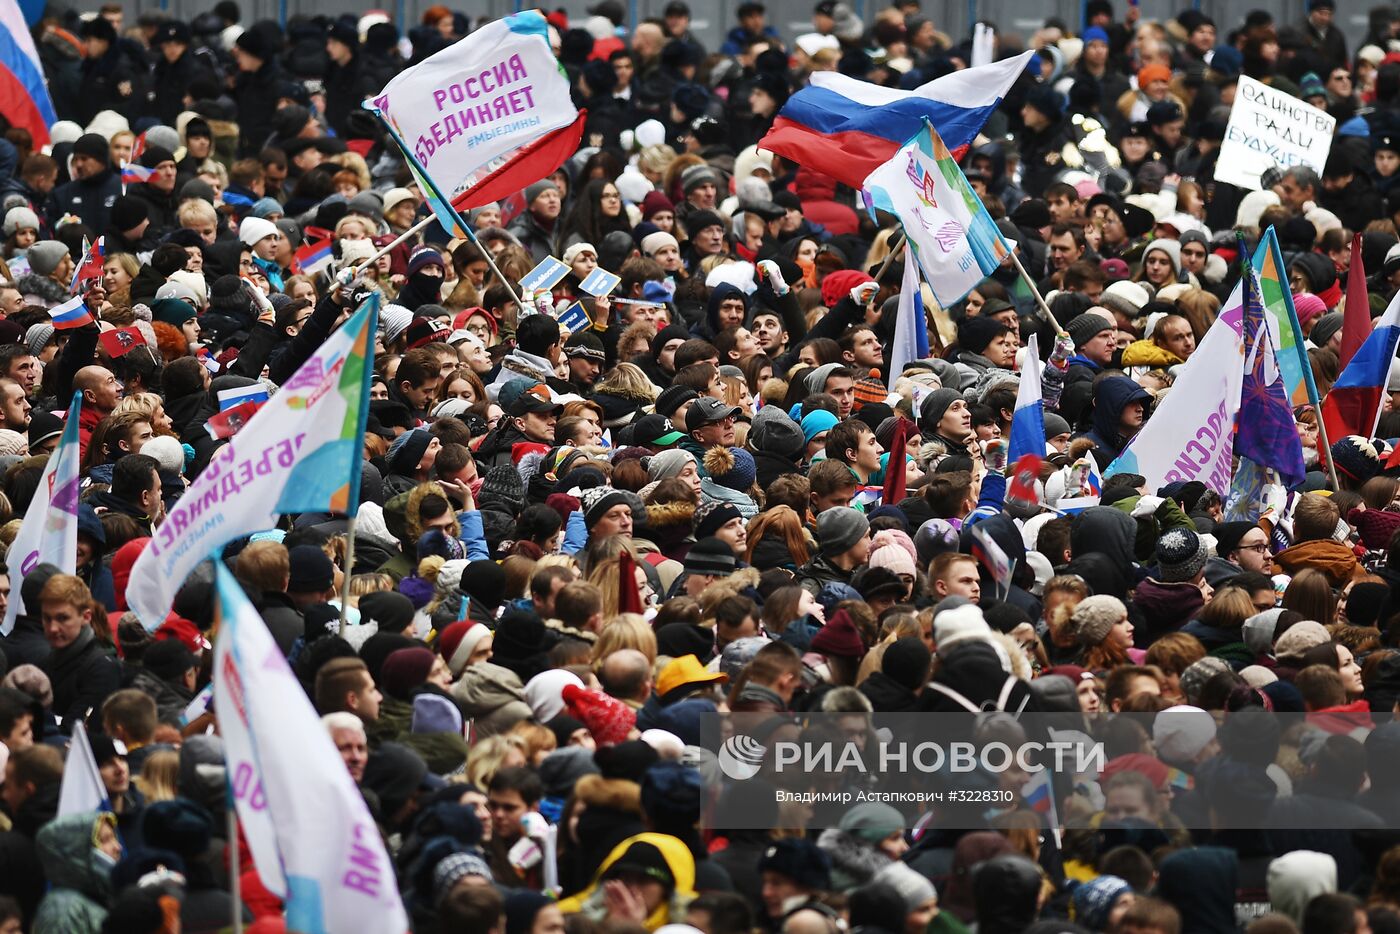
121	341
991	556
89	267
82	790
313	257
71	314
134	174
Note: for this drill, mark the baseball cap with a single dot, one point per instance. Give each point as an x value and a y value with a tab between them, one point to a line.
655	431
706	411
535	399
683	671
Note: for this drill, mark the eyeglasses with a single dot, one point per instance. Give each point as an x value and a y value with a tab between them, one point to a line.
1258	549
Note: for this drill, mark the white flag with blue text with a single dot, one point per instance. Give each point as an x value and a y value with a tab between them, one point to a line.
325	856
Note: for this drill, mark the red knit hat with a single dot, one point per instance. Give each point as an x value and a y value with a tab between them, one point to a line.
839	638
458	641
1375	525
1155	769
607	718
837	285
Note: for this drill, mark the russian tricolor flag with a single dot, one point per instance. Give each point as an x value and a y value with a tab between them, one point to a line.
847	128
133	174
1028	421
24	98
71	314
1353	405
311	258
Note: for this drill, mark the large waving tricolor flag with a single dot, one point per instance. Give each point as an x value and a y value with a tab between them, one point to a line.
847	128
24	98
301	452
1353	405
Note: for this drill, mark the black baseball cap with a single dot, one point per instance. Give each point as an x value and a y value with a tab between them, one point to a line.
655	431
677	8
706	411
535	399
172	31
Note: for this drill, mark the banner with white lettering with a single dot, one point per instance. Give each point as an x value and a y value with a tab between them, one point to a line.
478	99
1190	435
325	857
1271	128
301	452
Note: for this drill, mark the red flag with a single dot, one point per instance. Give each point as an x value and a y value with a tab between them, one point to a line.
629	600
526	165
89	267
1356	314
230	422
1021	489
896	472
121	341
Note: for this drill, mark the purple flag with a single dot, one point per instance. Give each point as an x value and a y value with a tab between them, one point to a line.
1267	434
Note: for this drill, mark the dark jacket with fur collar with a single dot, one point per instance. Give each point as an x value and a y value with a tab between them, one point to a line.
670	527
612	813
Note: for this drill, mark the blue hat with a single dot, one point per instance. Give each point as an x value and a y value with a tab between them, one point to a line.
1093	900
1095	34
814	423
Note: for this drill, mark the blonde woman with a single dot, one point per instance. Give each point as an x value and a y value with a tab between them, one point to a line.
624	631
628	381
604	576
159	776
490	755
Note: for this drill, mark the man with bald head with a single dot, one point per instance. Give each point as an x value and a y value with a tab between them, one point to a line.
101	392
626	675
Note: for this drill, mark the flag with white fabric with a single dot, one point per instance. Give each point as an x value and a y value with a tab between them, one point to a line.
954	238
49	533
911	325
313	840
1190	435
82	790
1028	420
484	97
301	452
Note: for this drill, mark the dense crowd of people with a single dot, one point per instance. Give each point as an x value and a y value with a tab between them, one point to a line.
574	548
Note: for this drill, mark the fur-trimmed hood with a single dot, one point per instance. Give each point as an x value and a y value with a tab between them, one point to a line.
670	515
614	793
